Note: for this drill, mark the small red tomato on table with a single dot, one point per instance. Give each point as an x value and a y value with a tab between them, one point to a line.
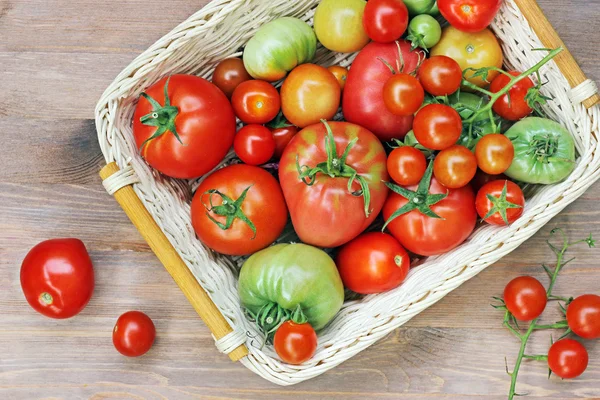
134	334
567	358
525	297
583	316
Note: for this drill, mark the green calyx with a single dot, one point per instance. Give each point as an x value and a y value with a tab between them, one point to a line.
279	122
417	40
500	204
270	317
229	208
336	167
163	117
543	147
420	199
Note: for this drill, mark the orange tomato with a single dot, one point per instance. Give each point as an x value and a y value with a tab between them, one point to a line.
309	94
340	73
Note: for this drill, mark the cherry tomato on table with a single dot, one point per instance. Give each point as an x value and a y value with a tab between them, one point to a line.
455	166
567	358
385	20
406	165
229	74
583	316
295	343
525	297
500	202
403	95
340	73
512	106
254	144
437	126
469	15
134	334
440	75
494	153
256	102
57	277
374	262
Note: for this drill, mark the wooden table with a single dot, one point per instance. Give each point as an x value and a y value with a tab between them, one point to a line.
56	57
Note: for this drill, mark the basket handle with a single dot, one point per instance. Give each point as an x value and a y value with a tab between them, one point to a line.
550	39
166	253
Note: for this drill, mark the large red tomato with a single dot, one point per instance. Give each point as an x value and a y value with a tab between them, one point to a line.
187	132
57	277
425	234
239	210
363	95
334	192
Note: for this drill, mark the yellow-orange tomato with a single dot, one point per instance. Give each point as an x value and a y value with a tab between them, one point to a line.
471	50
340	73
309	94
339	25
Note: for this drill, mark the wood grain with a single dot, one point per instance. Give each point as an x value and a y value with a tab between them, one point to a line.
56	58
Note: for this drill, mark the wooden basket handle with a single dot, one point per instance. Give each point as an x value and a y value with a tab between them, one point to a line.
550	39
166	253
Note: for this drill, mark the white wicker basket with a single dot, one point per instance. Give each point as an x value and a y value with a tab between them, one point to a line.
220	30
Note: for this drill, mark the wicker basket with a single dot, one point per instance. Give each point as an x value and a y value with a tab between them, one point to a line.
160	206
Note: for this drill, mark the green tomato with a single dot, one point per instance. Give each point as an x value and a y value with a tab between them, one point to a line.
544	151
434	11
466	104
417	7
280	279
278	47
424	31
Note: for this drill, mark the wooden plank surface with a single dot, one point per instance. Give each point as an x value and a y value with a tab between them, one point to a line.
56	57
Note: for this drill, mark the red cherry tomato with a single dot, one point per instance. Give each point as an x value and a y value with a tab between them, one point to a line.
525	298
511	203
385	20
374	262
513	106
256	102
57	277
340	73
455	166
254	144
229	74
403	95
440	75
494	153
295	343
406	165
437	126
282	136
583	316
134	334
469	15
567	358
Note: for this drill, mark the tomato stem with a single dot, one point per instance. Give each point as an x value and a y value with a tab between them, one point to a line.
229	208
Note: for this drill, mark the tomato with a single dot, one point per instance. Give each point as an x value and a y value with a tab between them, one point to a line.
363	95
500	202
544	151
333	192
178	138
295	343
338	25
583	316
277	281
57	277
254	144
424	31
481	179
437	126
469	15
256	102
385	20
440	75
567	358
525	298
417	7
406	165
418	230
455	166
471	50
229	73
340	73
310	94
278	47
512	106
134	334
373	263
282	132
403	95
239	210
494	153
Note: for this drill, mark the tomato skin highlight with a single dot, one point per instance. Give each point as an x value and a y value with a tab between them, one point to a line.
406	165
228	75
374	262
403	95
512	106
514	195
440	75
134	334
437	126
455	166
583	316
256	102
295	343
525	298
254	144
567	358
494	153
469	15
385	20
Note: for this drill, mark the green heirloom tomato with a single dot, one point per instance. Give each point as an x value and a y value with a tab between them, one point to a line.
278	280
544	151
417	7
278	47
467	103
424	31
